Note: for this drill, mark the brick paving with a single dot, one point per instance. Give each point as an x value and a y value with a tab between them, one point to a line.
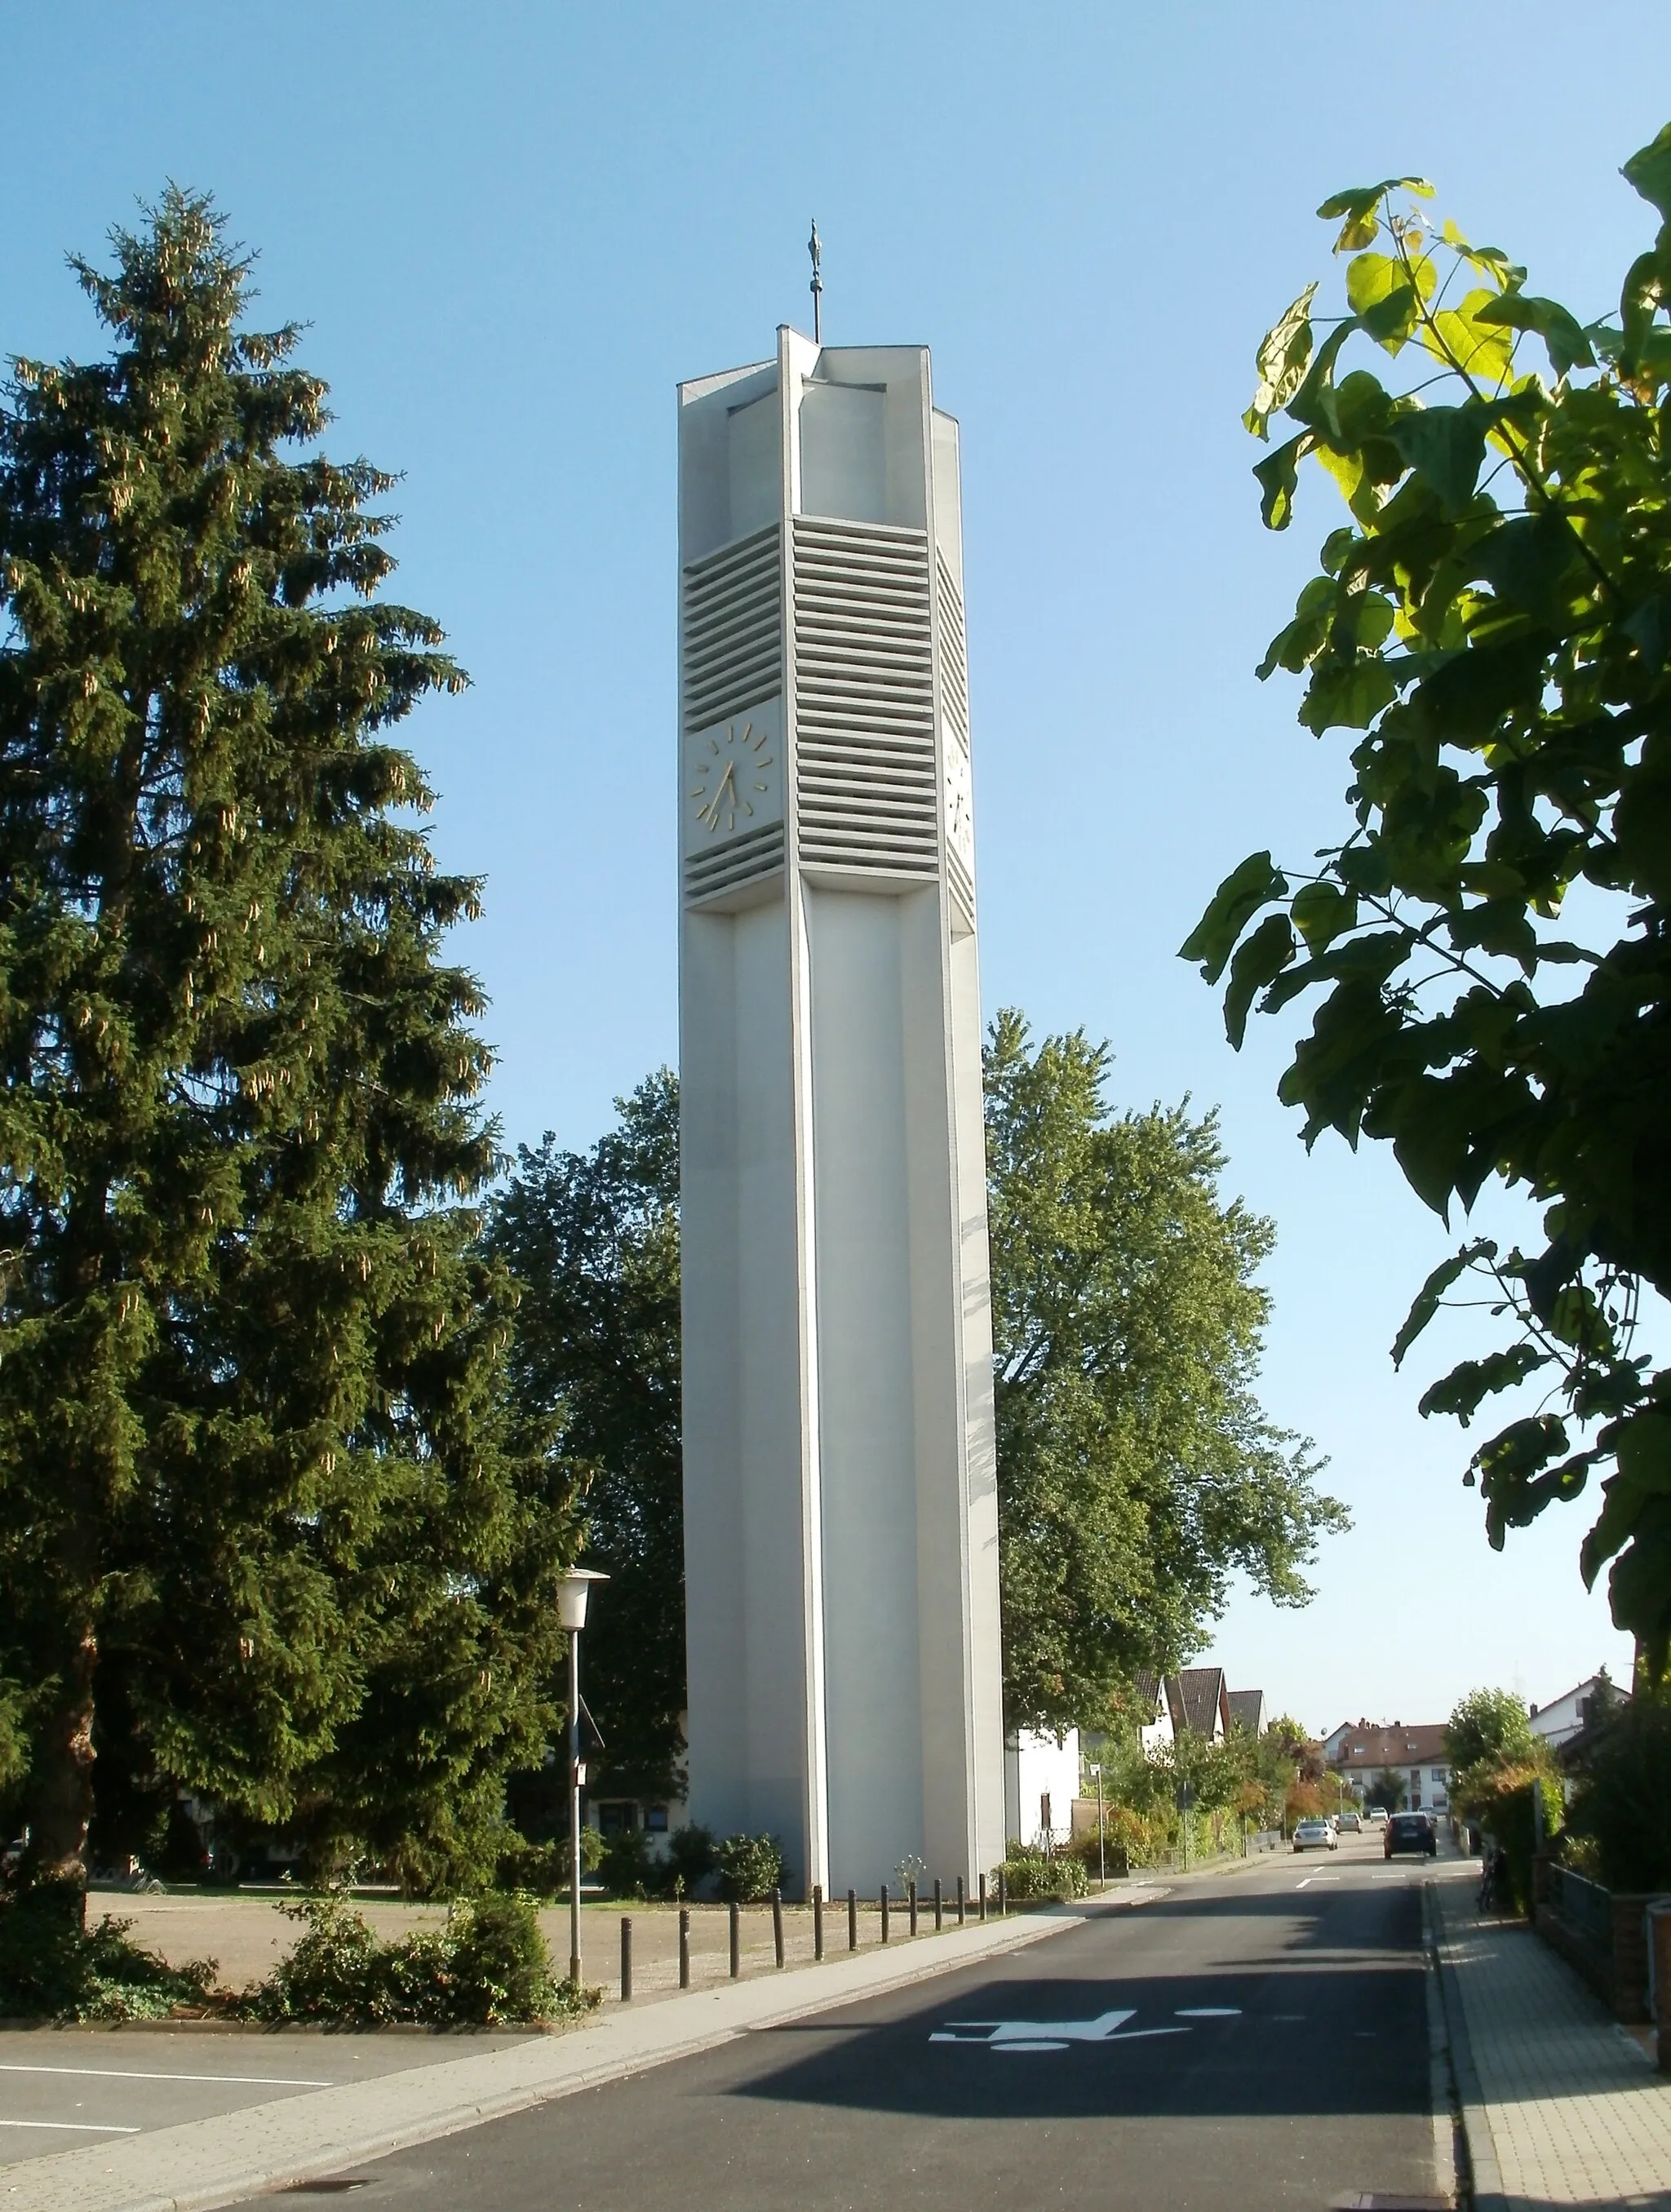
1571	2109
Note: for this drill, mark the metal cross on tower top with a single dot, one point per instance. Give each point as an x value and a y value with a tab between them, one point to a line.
815	248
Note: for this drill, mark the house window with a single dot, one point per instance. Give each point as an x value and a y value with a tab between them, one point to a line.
655	1820
614	1819
1044	1819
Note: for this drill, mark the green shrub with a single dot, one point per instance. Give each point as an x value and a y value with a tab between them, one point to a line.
487	1964
692	1856
624	1865
1030	1874
1622	1804
54	1968
750	1868
1500	1797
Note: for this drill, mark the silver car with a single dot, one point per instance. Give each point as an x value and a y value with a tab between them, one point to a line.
1315	1836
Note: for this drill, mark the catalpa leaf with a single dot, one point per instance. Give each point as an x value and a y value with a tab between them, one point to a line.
1258	962
1358	204
1385	294
1649	172
1460	1392
1561	331
1446	448
1255	884
1284	356
1431	1293
1279	476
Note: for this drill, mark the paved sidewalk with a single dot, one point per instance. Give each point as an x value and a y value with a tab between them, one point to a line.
1560	2106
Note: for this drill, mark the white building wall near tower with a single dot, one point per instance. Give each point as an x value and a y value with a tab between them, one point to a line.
841	1584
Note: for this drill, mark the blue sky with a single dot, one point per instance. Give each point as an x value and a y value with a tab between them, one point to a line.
513	227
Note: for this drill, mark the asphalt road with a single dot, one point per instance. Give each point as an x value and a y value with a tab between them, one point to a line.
1258	2040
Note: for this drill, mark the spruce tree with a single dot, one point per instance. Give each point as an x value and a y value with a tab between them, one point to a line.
255	1465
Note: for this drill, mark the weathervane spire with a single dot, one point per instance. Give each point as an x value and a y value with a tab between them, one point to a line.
815	248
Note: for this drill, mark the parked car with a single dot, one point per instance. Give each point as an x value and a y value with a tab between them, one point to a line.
1410	1832
1352	1824
1315	1836
1376	1815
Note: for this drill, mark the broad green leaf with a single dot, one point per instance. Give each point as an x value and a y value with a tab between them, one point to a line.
1314	402
1642	821
1357	205
1639	1586
1255	884
1258	962
1283	355
1460	1392
1480	349
1446	448
1385	294
1298	645
1647	282
1561	331
1347	694
1649	172
1524	561
1322	913
1431	1294
1279	476
1643	1443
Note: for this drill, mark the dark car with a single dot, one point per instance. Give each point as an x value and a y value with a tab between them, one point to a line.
1410	1832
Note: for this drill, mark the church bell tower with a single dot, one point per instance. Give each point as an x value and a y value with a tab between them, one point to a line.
840	1487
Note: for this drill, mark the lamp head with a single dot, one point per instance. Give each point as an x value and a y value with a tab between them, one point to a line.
572	1592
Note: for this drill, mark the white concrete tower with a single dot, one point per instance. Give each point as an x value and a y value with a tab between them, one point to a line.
840	1493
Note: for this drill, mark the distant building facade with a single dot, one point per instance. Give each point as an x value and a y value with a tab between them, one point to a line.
1359	1751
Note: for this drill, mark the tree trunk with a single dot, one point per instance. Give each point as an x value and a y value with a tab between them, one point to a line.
61	1795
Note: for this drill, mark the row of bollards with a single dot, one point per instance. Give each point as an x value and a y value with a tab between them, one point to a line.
961	1908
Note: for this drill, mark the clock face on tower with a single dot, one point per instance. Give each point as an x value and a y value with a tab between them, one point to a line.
960	808
734	781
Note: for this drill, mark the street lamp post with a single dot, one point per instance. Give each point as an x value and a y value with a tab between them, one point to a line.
572	1593
1102	1849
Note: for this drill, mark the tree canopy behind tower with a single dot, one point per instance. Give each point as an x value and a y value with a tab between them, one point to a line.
255	1471
1136	1472
1487	946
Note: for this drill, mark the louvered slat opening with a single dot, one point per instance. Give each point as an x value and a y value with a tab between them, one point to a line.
864	698
732	645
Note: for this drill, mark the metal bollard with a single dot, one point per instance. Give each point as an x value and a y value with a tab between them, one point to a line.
685	1947
853	1920
777	1925
962	1901
626	1957
1003	1892
736	1940
884	1913
817	1921
939	1907
911	1905
983	1900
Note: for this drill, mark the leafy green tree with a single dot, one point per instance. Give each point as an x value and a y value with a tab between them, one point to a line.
1488	1724
592	1238
1495	617
1388	1790
254	1463
1136	1472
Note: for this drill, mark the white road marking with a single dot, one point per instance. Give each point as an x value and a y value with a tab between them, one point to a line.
1209	2012
1127	2035
127	2074
1310	1878
1037	2034
76	2127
